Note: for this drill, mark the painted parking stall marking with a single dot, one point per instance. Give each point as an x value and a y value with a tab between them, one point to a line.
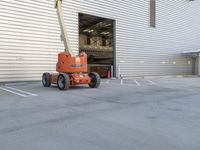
121	82
18	92
137	83
151	82
107	81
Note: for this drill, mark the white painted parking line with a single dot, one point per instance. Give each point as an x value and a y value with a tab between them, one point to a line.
122	82
132	85
152	83
15	84
28	93
16	93
138	84
107	81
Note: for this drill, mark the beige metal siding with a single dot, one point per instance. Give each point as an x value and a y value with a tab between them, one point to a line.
29	39
30	35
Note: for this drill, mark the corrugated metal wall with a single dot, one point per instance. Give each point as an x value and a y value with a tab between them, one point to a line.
30	35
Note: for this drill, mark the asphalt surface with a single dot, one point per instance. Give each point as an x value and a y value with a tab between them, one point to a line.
132	114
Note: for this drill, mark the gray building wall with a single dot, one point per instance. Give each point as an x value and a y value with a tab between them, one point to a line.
30	35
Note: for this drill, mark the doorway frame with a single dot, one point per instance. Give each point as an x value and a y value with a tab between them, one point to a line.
114	53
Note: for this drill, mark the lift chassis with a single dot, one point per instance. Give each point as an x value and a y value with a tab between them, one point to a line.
72	69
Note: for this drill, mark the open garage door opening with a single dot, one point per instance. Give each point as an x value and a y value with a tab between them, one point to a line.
96	39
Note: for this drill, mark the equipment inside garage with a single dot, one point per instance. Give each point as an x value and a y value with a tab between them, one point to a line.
96	40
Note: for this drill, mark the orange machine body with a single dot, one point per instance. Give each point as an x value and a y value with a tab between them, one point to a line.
75	78
75	67
69	64
71	69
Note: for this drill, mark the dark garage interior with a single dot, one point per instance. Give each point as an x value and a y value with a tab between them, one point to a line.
96	39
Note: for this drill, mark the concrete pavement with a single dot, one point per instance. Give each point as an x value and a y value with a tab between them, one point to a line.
160	114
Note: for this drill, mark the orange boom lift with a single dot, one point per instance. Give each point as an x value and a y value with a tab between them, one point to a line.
72	69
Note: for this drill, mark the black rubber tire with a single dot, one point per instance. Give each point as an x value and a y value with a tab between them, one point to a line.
63	81
46	79
95	80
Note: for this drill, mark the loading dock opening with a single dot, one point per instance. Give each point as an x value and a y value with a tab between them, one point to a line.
195	55
96	38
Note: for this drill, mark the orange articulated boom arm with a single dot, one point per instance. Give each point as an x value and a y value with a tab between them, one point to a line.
58	6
